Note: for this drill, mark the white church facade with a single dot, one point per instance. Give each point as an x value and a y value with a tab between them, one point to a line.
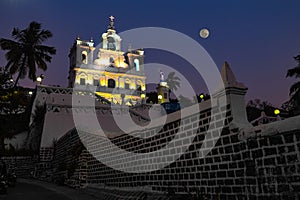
116	75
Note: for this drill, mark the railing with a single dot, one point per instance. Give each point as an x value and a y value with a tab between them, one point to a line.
52	89
118	90
264	119
112	69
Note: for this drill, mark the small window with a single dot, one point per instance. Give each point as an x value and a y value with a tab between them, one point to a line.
111	83
96	82
111	60
82	81
84	57
165	95
137	64
111	44
126	85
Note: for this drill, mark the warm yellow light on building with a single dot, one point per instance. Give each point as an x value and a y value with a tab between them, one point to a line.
276	111
164	84
143	96
159	97
143	87
102	82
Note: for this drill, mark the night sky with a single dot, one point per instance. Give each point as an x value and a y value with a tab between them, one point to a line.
258	38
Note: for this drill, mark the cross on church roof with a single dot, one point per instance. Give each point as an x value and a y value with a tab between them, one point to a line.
111	23
111	18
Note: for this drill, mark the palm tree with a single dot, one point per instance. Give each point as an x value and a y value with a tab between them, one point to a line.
26	52
295	88
173	81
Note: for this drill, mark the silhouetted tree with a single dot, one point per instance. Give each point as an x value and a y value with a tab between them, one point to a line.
13	118
295	88
173	81
26	52
257	103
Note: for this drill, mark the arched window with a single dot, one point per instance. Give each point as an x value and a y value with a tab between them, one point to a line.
111	60
82	81
84	57
127	84
111	43
111	83
137	64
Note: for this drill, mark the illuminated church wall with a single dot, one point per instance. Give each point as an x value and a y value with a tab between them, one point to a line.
112	71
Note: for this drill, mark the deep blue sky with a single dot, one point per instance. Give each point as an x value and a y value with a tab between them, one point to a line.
258	38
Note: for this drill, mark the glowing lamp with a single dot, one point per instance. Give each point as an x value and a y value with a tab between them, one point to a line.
143	88
276	111
30	92
201	96
39	79
143	96
11	80
159	97
163	84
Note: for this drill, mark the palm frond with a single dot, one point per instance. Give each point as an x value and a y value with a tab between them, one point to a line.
293	72
31	67
295	87
41	63
44	35
7	44
45	49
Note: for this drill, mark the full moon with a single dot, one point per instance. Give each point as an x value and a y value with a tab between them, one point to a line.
204	33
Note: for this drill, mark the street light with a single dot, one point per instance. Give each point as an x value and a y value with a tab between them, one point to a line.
159	97
276	111
201	96
30	92
40	78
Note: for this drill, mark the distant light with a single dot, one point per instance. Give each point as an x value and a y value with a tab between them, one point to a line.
201	96
204	33
11	80
143	96
39	79
276	111
30	92
159	97
164	84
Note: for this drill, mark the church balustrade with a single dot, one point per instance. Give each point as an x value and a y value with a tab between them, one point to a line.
118	90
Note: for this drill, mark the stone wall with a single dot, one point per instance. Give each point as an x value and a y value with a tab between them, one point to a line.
246	162
261	166
23	166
